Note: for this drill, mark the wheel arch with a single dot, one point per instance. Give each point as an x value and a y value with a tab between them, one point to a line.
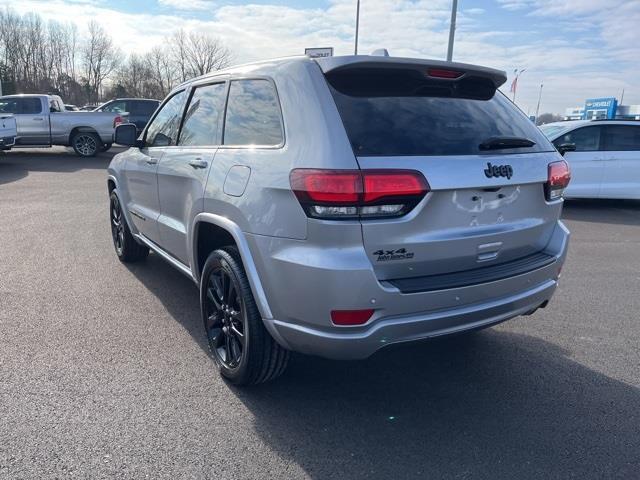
81	129
207	224
112	184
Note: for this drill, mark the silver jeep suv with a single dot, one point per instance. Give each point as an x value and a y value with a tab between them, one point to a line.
334	206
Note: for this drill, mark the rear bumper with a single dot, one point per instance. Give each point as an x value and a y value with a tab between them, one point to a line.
303	283
362	344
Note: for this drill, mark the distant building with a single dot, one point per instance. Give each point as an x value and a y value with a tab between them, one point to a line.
601	108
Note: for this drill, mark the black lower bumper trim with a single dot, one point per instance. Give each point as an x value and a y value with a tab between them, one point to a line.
476	276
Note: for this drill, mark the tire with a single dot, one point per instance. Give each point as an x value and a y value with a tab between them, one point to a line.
86	144
127	248
242	349
105	147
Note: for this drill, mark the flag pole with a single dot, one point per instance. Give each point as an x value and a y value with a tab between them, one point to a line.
357	25
452	29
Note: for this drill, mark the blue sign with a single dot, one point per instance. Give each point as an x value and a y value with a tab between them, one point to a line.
600	108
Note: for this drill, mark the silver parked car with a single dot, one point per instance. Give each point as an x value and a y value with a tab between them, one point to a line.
335	206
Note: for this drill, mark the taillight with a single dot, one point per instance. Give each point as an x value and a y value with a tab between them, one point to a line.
117	121
559	176
443	73
348	194
350	317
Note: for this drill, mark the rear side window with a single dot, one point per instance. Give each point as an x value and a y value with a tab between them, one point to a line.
19	105
202	121
586	139
253	114
163	129
402	113
622	137
29	106
143	107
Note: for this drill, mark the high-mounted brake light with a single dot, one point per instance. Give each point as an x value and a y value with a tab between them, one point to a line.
351	317
559	177
349	194
443	73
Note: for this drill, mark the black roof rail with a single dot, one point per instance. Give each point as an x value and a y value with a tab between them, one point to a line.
614	120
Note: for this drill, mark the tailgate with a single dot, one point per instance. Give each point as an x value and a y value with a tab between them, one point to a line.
467	220
485	162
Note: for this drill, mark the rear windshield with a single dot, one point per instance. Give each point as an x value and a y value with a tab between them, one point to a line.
405	114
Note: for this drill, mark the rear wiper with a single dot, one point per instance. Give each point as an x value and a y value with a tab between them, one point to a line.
498	143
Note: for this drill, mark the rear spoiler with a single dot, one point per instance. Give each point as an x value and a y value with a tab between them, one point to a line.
357	62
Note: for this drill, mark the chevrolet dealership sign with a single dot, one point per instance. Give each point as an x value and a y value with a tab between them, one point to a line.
600	108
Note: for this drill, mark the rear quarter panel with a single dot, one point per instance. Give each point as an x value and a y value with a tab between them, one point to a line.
314	138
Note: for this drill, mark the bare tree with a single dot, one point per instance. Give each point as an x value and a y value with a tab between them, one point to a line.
197	53
100	57
162	71
51	57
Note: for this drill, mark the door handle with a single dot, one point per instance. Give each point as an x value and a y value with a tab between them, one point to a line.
151	161
39	119
198	163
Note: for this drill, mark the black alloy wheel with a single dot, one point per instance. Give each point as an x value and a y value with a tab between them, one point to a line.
117	225
126	246
225	316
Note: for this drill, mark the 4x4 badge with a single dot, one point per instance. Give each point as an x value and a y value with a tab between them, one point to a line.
399	254
498	171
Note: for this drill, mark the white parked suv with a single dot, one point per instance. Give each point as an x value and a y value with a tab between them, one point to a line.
604	156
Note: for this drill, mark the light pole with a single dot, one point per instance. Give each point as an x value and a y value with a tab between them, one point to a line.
357	24
539	98
452	29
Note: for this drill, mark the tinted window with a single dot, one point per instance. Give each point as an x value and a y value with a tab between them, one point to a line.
586	139
29	105
202	120
163	129
143	107
253	114
622	137
116	107
399	113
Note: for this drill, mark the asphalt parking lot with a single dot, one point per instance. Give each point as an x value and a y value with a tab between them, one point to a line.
104	370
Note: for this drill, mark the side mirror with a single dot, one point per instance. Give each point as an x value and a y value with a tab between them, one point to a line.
126	134
566	147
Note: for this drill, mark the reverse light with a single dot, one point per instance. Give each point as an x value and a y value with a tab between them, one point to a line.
349	194
558	179
351	317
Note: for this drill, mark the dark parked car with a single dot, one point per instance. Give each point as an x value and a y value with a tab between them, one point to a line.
139	109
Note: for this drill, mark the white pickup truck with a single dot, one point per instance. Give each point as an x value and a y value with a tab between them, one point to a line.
42	121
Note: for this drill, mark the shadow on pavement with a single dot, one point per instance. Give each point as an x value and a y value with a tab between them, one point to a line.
492	404
17	164
177	292
617	212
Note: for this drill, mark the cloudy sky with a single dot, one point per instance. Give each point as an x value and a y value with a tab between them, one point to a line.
578	48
